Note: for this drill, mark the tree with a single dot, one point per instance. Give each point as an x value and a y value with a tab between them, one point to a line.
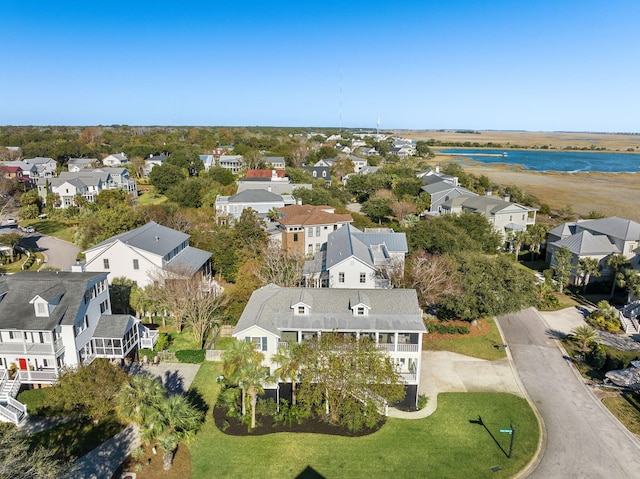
288	359
519	238
402	209
11	240
249	230
615	263
165	176
433	277
585	335
90	390
239	362
377	208
630	280
138	398
206	309
537	236
561	266
279	266
586	268
18	460
351	379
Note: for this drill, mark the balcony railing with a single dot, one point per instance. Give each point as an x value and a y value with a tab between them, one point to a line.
26	348
38	377
408	348
148	337
408	377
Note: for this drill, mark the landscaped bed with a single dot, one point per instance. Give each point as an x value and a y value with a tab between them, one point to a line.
483	340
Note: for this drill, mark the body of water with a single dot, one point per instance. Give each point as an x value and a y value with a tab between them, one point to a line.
549	160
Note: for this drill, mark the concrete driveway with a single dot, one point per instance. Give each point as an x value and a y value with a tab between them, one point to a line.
582	439
58	254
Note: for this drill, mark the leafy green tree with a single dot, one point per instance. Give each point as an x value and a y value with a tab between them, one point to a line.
378	208
11	240
537	236
562	264
18	460
587	268
187	193
615	263
350	378
239	361
90	390
138	398
186	160
407	186
519	238
220	175
120	294
249	230
165	176
630	280
491	286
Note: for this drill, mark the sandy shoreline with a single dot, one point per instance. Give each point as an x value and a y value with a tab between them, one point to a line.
612	194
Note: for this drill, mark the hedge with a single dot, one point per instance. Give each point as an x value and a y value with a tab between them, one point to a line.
190	355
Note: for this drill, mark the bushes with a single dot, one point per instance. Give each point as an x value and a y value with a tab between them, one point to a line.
40	402
446	328
193	356
606	317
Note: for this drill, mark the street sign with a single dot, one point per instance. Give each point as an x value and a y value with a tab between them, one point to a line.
508	431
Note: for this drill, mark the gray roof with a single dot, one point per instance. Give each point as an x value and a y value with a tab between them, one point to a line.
113	326
151	237
620	228
271	307
39	160
395	242
17	290
255	196
190	260
585	243
350	241
564	230
279	188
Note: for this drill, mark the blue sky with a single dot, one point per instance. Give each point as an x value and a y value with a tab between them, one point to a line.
535	65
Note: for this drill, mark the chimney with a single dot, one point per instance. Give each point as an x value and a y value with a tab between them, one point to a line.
488	193
269	188
506	197
437	168
157	238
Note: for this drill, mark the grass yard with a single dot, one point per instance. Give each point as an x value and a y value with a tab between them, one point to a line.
62	229
444	445
482	342
149	196
625	411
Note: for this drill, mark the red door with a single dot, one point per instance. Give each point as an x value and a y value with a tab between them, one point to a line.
23	364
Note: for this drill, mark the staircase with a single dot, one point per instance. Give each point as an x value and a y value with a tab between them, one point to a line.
11	410
630	317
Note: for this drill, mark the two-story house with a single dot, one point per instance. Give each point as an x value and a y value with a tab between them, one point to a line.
392	318
51	320
358	259
305	229
115	159
147	254
259	200
75	165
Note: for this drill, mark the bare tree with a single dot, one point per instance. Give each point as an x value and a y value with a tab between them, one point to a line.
279	266
402	208
433	276
299	153
206	309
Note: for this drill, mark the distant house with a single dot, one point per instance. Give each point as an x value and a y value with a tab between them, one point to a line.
147	254
52	320
75	165
11	171
119	178
328	162
358	259
273	181
261	201
366	151
116	159
270	175
46	167
277	317
152	161
319	172
358	163
28	170
275	162
305	228
597	239
503	215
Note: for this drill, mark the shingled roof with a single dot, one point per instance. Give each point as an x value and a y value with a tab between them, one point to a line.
311	215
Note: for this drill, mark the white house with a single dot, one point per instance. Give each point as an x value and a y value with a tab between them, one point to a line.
358	259
143	254
50	320
276	316
261	201
76	164
116	159
46	167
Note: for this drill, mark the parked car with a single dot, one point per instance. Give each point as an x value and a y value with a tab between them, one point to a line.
11	221
29	229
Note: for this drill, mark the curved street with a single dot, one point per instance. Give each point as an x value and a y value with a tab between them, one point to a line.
583	439
58	254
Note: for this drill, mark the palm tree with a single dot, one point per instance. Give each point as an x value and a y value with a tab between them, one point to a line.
615	262
138	399
588	267
253	374
174	421
235	358
288	359
585	335
518	239
537	235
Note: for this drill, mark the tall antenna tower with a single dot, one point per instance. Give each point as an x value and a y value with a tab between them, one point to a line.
340	99
378	127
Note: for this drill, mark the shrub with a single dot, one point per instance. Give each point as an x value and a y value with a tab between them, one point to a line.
193	356
40	402
422	401
162	343
597	357
445	328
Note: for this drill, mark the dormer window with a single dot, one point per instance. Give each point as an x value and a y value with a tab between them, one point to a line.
360	311
302	310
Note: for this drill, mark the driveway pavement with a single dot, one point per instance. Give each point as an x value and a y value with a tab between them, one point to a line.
582	439
58	254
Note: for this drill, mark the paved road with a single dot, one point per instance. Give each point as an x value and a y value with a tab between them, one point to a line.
583	440
59	254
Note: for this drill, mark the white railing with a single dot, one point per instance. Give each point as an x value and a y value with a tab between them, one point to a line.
8	415
148	337
408	348
17	404
58	346
387	346
283	344
408	377
38	377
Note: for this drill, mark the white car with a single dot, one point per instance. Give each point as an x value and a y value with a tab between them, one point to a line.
11	221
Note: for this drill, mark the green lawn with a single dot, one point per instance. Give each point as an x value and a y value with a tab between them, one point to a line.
444	445
62	229
481	346
150	197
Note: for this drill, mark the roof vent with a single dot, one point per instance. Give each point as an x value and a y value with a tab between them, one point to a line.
157	238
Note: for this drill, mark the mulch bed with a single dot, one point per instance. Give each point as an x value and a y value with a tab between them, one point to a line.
233	426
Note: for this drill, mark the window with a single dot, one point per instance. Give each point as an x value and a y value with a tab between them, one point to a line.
136	265
295	237
105	263
335	227
315	173
340	277
360	311
363	277
310	249
318	247
310	232
510	217
42	309
104	306
324	174
301	310
317	231
260	342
